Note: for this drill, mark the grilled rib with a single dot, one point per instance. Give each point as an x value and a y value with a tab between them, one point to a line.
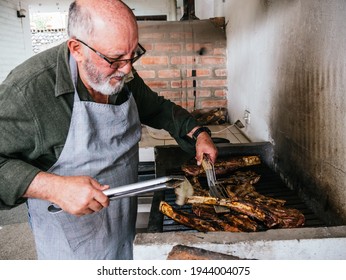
222	166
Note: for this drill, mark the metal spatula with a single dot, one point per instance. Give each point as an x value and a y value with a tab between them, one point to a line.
215	189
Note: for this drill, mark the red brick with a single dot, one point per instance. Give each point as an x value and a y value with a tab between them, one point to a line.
219	51
147	74
213	103
182	84
183	60
212	83
168	47
199	93
199	72
171	94
187	104
180	35
220	93
153	35
154	60
148	46
171	56
195	47
221	72
190	93
203	93
157	84
212	60
170	73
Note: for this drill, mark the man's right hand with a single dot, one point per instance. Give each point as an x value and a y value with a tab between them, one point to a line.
77	195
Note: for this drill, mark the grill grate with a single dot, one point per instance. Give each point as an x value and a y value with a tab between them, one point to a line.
270	185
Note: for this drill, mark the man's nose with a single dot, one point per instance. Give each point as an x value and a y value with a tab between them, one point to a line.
126	68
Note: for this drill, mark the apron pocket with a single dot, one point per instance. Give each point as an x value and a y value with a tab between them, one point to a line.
79	230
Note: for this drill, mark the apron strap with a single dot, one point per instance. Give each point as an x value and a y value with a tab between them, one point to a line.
74	75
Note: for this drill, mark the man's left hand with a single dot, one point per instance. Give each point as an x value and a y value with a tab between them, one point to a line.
205	146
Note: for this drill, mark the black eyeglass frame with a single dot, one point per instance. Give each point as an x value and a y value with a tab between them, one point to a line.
114	63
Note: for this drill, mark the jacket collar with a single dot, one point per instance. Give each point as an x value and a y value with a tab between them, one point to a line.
64	82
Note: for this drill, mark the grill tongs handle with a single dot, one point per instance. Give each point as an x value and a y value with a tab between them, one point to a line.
135	189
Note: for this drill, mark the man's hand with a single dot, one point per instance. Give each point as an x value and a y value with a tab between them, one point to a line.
204	145
77	195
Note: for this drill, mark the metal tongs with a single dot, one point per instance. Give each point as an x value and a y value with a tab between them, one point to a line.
215	188
134	189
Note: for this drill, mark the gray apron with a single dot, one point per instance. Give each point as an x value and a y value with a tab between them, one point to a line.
102	142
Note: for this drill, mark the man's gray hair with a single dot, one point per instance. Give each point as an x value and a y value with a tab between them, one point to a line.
80	23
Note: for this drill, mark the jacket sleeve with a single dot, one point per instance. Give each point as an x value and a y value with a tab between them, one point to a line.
160	113
16	141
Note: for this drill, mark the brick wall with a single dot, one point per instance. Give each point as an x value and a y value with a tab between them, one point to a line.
185	62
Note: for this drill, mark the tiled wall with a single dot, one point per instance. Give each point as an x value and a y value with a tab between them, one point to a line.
185	62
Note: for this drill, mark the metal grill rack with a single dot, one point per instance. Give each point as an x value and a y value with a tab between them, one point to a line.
270	185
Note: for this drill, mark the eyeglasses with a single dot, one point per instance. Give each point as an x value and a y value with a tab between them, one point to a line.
119	63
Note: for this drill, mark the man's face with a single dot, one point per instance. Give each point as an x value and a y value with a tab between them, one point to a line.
101	77
96	66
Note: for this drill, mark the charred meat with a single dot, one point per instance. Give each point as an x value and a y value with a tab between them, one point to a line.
222	166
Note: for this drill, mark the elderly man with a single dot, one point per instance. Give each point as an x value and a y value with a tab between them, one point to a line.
71	122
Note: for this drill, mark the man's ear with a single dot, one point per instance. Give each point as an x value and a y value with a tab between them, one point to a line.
75	49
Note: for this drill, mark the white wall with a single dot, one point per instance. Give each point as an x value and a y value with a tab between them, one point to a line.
141	7
287	66
206	9
253	47
154	7
15	45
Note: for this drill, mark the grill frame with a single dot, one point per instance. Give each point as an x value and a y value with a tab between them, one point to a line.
168	159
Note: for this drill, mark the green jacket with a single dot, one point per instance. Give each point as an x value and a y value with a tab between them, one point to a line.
36	101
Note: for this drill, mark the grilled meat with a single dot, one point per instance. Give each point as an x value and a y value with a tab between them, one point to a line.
271	216
213	116
187	219
241	177
248	192
242	222
235	222
208	213
250	210
197	187
222	166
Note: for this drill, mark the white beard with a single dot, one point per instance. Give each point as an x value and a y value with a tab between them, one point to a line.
101	83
